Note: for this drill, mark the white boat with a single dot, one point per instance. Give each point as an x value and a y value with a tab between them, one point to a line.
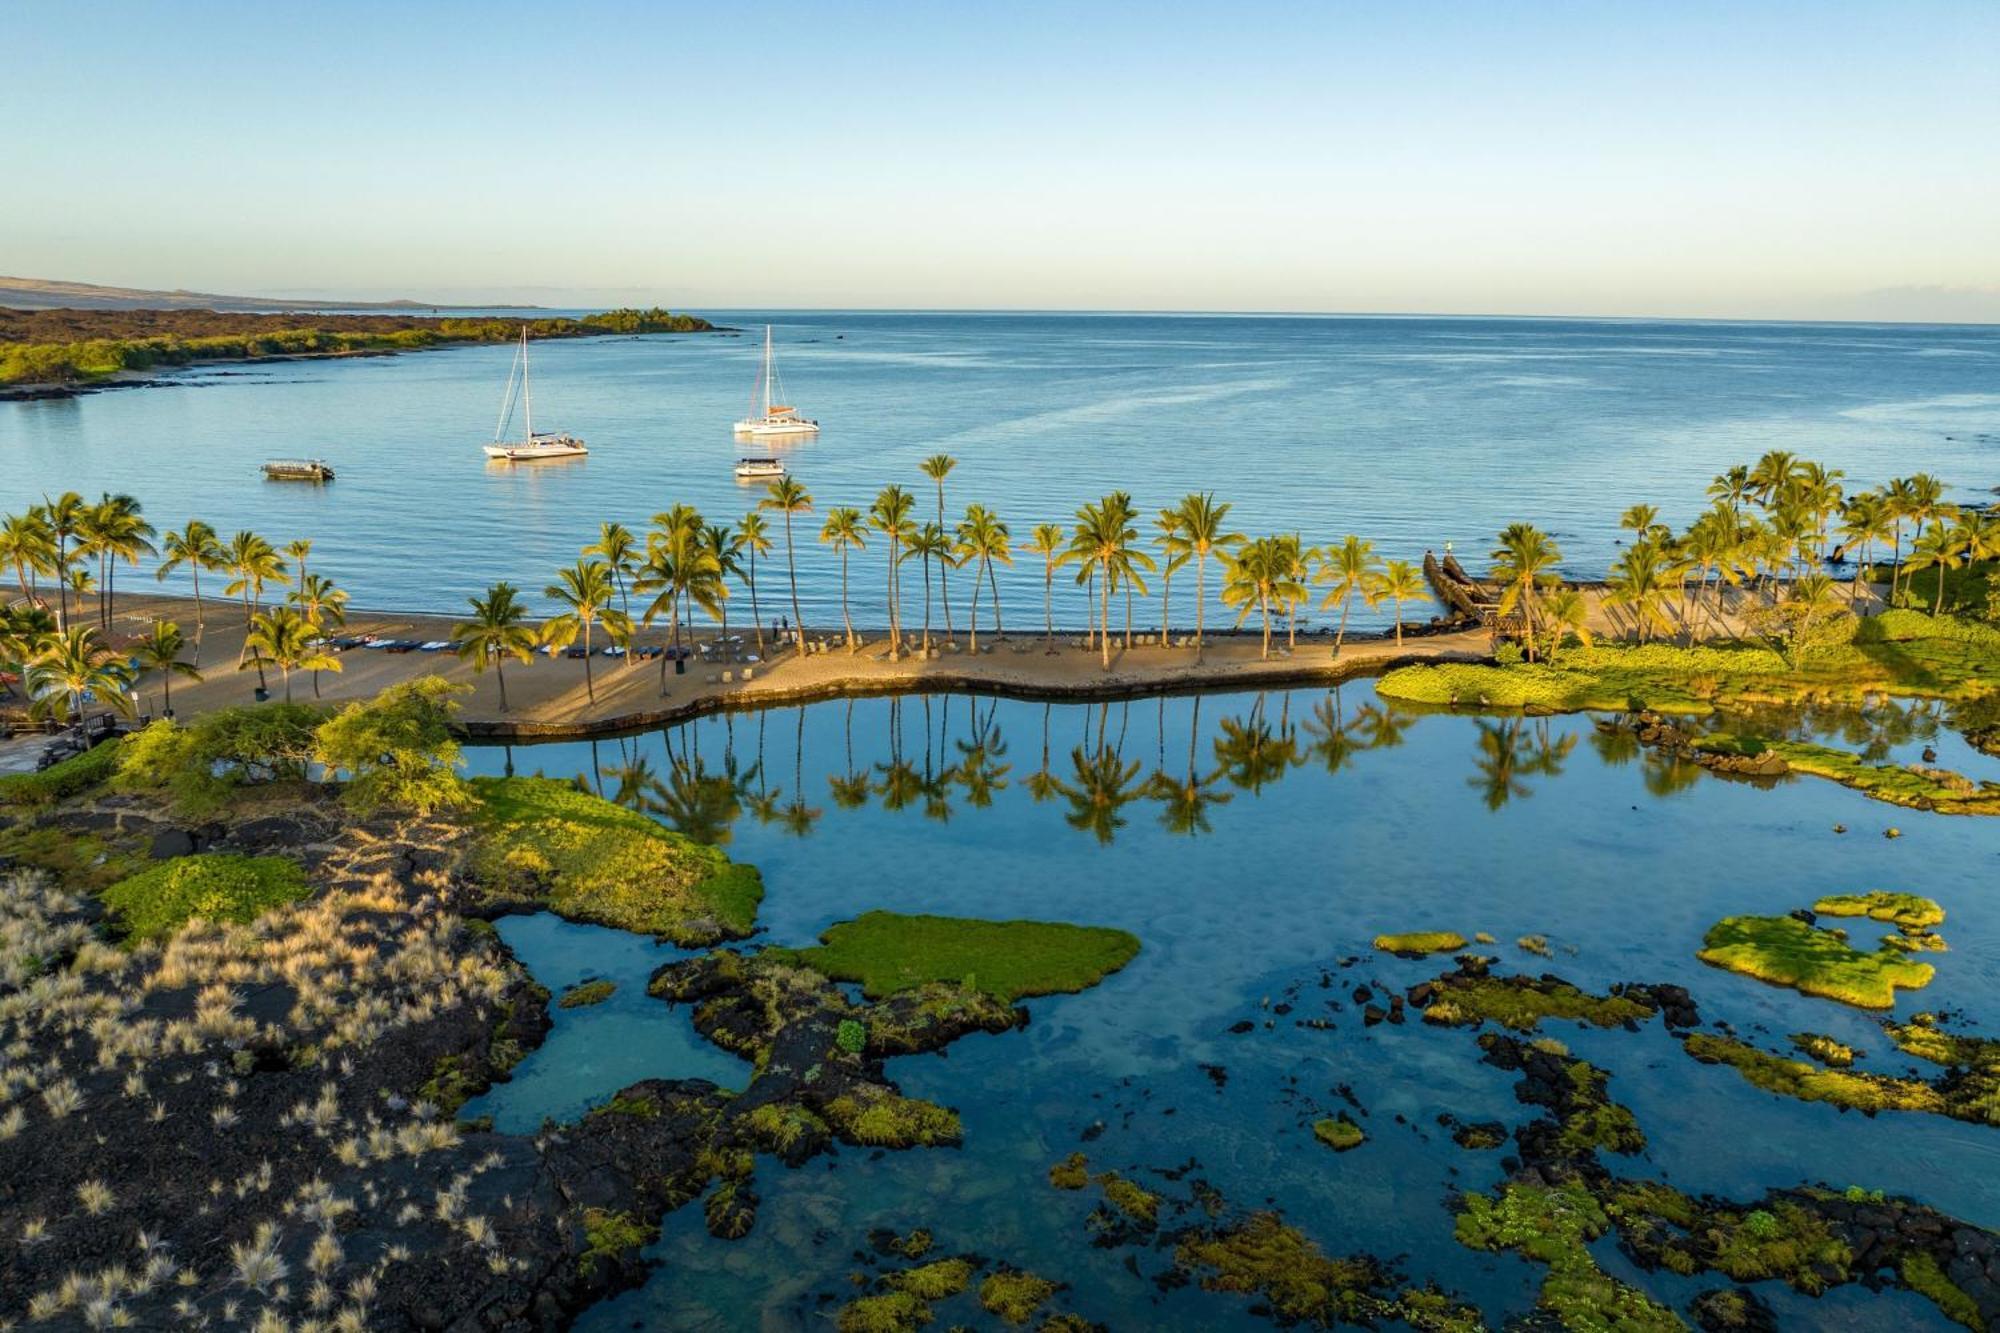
759	469
532	447
776	419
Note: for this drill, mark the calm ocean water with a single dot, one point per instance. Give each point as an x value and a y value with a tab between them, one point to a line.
1413	431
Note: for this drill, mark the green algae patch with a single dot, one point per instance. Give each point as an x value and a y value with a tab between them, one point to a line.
608	1234
1135	1201
1339	1133
213	886
1417	943
1921	1274
934	1281
1554	1226
81	862
1810	1083
1913	786
1784	951
548	844
587	993
877	1118
890	1312
889	952
1833	1054
1905	910
1263	1257
1014	1295
1071	1173
1468	998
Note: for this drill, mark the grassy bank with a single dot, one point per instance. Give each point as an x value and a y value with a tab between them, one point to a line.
889	952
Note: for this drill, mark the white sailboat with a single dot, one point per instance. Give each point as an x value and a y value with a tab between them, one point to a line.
775	419
531	448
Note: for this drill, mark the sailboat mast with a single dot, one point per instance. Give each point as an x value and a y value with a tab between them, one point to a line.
527	394
767	370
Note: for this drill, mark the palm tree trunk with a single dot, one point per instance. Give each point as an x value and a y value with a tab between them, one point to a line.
993	582
927	612
1346	604
1264	608
589	683
500	668
1049	605
845	618
286	672
791	565
1104	640
1200	597
974	631
756	612
895	616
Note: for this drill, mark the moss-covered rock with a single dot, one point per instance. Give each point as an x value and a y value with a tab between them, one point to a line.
1014	1294
586	993
1136	1202
1417	943
1833	1054
1071	1173
1898	909
1471	996
1785	951
1339	1133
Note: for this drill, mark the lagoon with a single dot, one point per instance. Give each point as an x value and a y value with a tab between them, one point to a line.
1331	818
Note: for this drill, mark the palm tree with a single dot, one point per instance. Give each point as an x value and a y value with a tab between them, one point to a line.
28	544
1102	545
890	516
1047	542
1864	520
618	548
984	538
1399	582
1167	524
844	531
197	547
1925	493
317	600
1202	531
1567	613
1731	489
64	515
1640	519
160	651
74	663
1524	561
788	496
1350	567
937	467
1636	585
254	562
721	543
754	536
1257	574
114	530
585	589
1941	546
283	638
928	543
680	568
1771	475
1298	560
498	630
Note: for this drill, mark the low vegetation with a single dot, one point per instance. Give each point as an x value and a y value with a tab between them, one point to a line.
586	993
888	952
155	903
1417	943
550	844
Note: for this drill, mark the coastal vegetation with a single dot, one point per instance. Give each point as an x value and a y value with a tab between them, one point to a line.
889	952
72	346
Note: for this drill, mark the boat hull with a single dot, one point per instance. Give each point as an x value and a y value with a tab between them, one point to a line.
764	430
521	453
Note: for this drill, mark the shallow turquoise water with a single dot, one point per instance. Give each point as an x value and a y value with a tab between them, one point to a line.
1621	863
1414	432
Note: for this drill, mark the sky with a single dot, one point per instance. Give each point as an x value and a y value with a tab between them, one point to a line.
1738	160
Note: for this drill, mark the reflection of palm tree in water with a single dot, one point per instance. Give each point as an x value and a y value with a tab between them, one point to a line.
900	782
799	817
1185	801
937	779
1510	752
1251	754
1042	783
1333	744
980	771
1381	726
850	789
1101	786
763	803
697	802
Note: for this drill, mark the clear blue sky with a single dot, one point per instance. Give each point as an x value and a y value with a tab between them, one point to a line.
1731	159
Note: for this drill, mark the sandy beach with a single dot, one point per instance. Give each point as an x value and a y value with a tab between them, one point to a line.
549	697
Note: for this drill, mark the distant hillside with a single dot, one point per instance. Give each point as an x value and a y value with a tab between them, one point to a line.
53	351
48	294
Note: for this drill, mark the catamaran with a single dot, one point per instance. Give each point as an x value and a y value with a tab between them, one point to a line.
775	419
531	448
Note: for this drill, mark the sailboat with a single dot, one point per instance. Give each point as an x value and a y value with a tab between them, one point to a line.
532	448
775	419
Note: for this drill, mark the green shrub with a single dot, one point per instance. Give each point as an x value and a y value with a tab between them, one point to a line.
58	782
397	749
200	764
213	886
852	1036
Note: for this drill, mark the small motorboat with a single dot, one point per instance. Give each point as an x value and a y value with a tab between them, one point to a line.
298	469
759	469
